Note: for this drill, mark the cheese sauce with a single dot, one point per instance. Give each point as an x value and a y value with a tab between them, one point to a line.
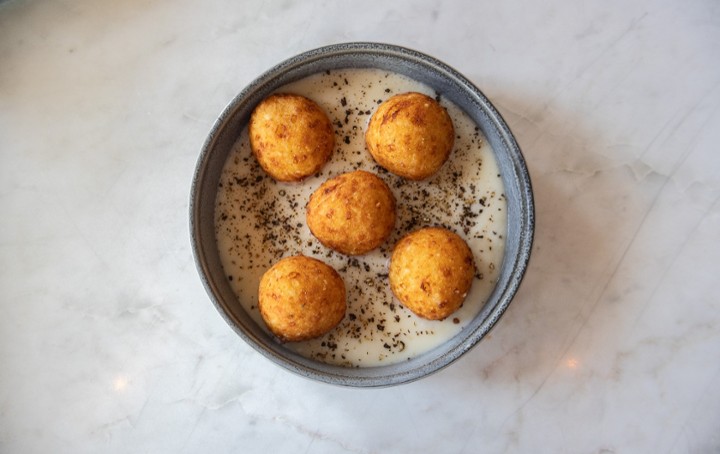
258	221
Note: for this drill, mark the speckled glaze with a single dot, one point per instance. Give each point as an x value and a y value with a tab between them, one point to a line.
454	87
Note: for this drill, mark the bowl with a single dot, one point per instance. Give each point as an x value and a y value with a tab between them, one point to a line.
453	86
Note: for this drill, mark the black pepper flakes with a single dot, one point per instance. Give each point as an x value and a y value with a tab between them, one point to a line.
450	198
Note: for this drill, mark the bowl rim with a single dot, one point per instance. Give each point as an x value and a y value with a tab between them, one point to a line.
334	374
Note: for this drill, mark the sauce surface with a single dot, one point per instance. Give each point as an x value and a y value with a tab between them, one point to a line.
258	221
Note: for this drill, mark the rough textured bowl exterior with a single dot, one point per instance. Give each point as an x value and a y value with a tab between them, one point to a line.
453	86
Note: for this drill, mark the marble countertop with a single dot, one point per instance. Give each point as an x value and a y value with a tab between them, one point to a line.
109	343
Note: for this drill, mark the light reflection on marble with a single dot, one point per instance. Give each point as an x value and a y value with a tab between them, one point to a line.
108	342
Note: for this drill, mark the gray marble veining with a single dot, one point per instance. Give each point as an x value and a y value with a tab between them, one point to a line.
108	342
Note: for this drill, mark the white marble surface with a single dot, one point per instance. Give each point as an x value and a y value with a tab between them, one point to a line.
108	341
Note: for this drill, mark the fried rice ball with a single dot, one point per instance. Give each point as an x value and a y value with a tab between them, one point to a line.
352	213
291	136
301	298
431	271
410	135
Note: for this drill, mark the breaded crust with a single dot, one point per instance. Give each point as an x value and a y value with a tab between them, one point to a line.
291	136
431	272
301	298
410	135
352	213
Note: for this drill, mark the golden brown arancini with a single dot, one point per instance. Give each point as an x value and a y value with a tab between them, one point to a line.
431	271
410	135
352	213
301	298
291	136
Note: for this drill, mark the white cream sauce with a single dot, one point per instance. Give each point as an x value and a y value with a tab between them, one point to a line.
258	221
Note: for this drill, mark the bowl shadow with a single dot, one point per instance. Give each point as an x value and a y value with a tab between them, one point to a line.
571	248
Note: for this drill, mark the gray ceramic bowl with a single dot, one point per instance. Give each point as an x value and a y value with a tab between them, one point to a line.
452	86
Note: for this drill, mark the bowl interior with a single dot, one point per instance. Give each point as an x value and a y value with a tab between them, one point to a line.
452	86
